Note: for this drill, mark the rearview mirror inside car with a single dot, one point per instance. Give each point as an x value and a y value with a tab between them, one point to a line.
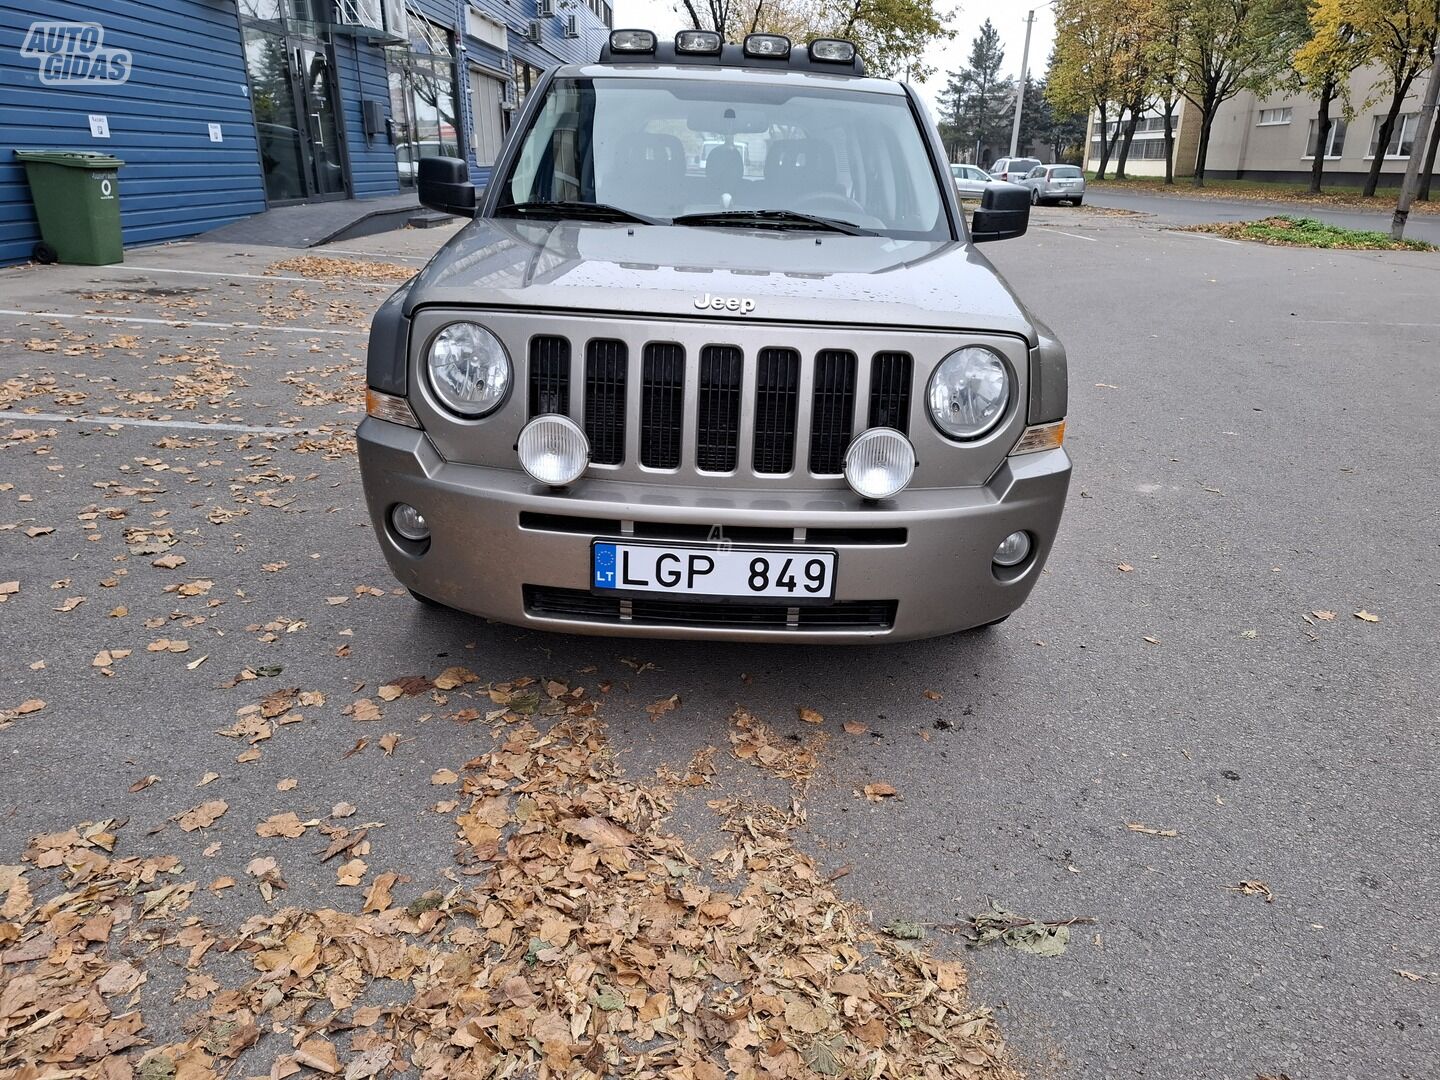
1004	213
444	185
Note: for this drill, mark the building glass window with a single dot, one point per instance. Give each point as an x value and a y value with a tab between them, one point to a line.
1334	142
1270	117
423	97
527	77
1402	138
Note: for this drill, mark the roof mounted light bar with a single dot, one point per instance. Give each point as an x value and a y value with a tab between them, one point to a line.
706	48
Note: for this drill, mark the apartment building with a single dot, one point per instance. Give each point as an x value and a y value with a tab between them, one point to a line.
1273	137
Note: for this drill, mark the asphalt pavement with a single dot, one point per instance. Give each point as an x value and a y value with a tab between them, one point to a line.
1188	738
1191	210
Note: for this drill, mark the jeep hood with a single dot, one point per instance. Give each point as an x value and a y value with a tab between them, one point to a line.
665	270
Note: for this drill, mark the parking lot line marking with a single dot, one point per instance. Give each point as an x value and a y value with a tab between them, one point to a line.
1077	236
181	324
373	254
122	267
1203	236
131	421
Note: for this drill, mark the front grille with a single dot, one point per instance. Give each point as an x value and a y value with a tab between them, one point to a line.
890	378
715	408
605	364
697	613
832	412
717	414
777	393
549	375
662	405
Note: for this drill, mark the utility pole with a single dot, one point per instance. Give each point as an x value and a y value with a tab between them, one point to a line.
1020	90
1417	149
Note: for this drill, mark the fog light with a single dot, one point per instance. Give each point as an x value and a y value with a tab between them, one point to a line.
632	41
409	522
1013	550
879	463
553	450
701	42
770	46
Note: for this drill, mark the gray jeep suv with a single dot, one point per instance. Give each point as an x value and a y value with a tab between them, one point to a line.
717	358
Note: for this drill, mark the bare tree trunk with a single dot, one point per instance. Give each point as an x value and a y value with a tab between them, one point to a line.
1387	128
1323	124
1130	126
1104	144
1207	119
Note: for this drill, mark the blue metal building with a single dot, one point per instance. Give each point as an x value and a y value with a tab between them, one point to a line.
222	108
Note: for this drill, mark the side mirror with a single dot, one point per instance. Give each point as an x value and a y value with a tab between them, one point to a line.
1004	213
444	185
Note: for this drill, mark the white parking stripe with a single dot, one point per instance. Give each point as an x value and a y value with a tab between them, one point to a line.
1203	236
127	421
1077	236
181	324
372	254
122	267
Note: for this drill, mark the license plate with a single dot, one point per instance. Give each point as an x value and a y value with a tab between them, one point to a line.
742	573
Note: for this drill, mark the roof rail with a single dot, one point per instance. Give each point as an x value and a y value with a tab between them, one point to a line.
797	57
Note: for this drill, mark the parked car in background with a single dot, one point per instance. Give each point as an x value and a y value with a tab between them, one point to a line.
970	180
1013	169
1055	183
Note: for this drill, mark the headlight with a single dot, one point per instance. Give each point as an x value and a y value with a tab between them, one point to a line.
968	392
469	370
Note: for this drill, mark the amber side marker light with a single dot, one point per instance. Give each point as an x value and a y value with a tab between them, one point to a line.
1039	437
389	407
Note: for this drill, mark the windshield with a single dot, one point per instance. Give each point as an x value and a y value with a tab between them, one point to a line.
667	148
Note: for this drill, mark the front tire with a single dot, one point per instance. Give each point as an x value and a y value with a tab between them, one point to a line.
1034	197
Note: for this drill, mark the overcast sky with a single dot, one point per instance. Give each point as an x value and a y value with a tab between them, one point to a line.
1007	15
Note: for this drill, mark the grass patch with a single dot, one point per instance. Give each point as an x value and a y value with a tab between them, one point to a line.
1337	195
1286	231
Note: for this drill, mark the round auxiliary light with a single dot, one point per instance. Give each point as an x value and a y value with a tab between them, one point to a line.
553	450
968	392
1013	550
469	370
879	463
409	522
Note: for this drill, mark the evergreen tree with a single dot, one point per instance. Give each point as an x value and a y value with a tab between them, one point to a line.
976	102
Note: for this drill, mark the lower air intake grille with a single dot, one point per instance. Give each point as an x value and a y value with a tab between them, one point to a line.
605	363
662	405
549	375
589	607
833	410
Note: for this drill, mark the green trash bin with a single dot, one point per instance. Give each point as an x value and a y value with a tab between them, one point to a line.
77	199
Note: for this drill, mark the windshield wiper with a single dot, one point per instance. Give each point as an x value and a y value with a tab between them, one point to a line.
588	210
772	218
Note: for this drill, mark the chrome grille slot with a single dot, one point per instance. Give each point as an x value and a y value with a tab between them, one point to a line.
717	420
605	381
777	394
662	405
890	378
549	375
832	410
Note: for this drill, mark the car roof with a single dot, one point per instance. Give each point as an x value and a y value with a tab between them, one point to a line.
778	77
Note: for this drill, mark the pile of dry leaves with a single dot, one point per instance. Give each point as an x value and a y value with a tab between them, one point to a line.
575	938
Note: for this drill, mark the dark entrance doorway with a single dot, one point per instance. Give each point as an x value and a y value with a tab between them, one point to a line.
292	89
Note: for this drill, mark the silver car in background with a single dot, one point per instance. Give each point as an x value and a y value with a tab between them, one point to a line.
1055	184
970	181
1013	169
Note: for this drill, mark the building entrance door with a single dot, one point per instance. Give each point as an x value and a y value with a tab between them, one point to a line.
292	89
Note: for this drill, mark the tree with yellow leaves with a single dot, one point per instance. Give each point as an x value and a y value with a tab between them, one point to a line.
1399	36
1093	42
1324	64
